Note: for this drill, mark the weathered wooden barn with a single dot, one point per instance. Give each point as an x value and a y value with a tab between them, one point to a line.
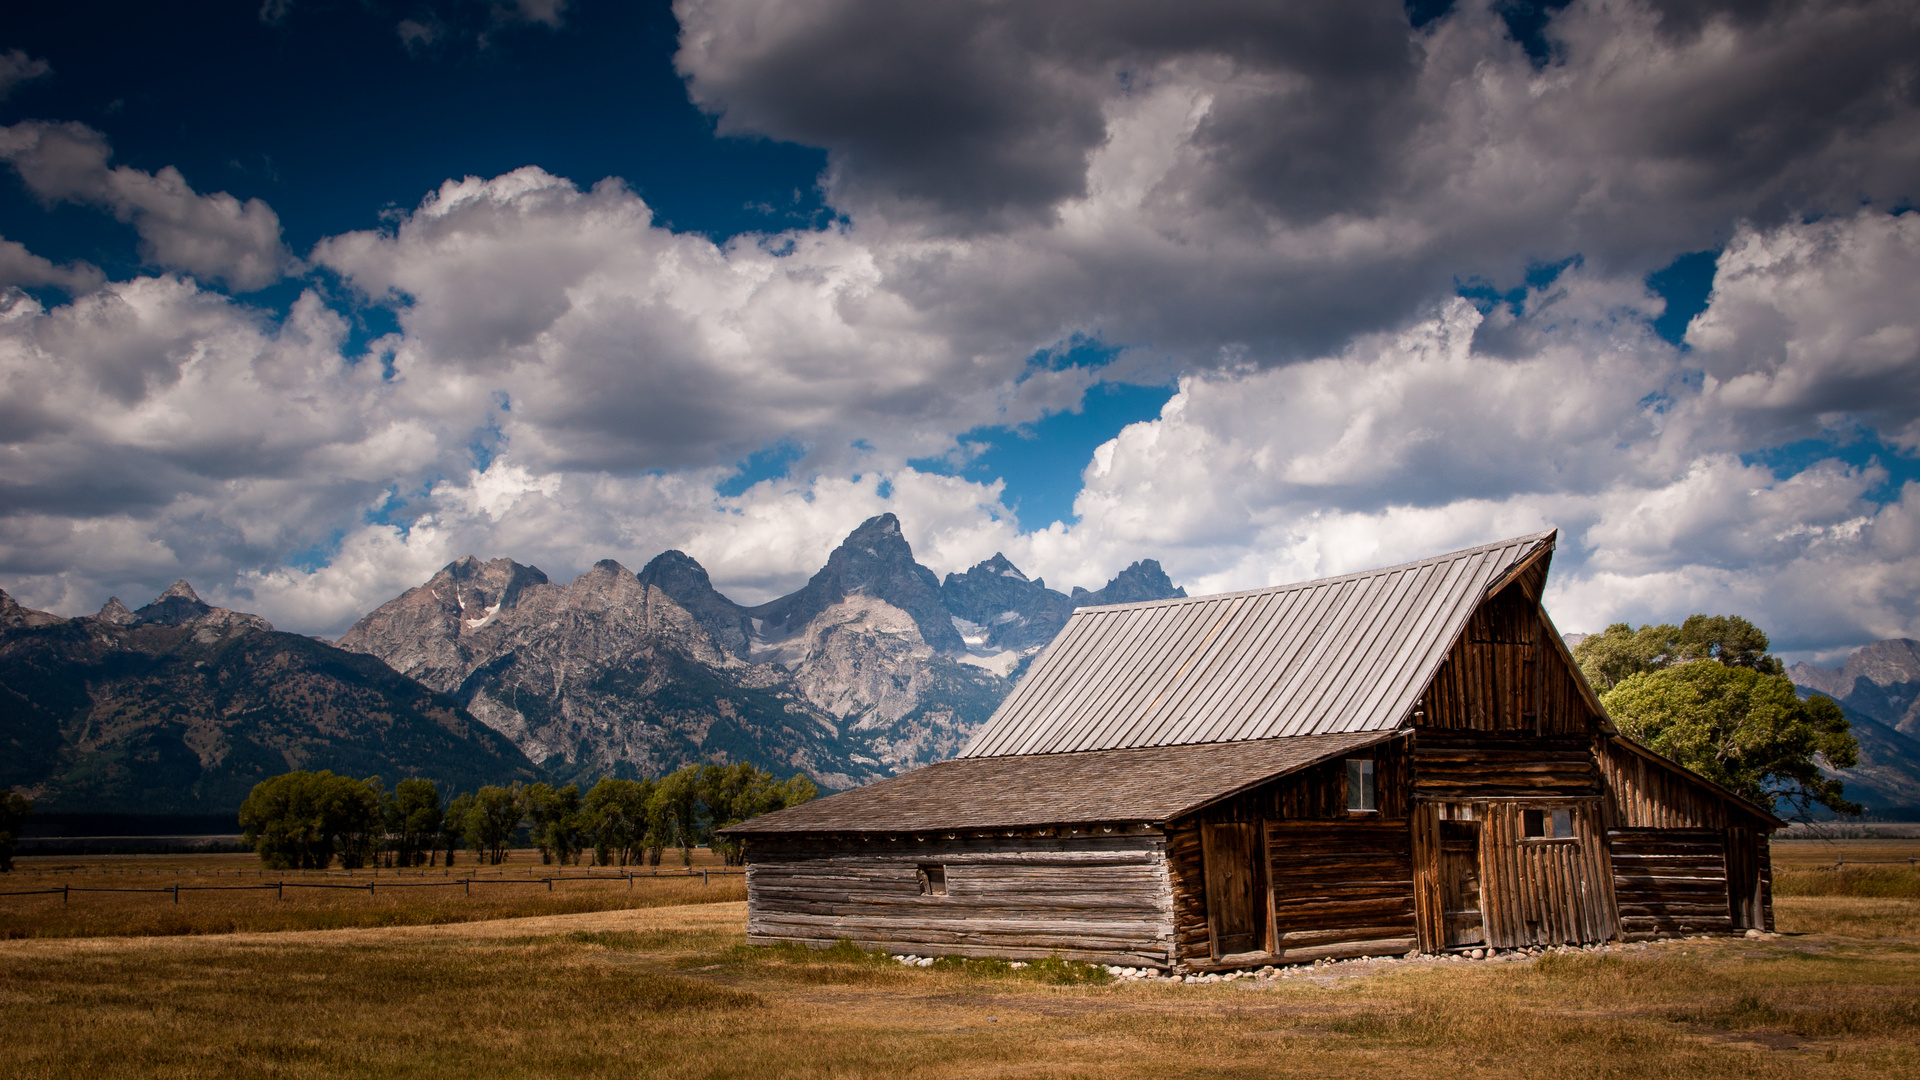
1401	759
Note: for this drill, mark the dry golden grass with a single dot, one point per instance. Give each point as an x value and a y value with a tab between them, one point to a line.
210	905
674	991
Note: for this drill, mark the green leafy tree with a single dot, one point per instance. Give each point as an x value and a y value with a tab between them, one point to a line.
673	815
1620	651
302	820
616	819
1741	728
496	812
734	793
356	821
15	809
453	825
413	818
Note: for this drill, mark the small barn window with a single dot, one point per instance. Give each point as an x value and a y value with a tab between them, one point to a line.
1547	824
933	880
1360	784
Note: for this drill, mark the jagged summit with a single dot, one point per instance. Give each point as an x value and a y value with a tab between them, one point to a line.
14	614
876	560
679	576
1881	680
114	611
179	605
182	590
1144	580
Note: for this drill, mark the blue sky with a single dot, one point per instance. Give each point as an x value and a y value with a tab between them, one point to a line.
307	298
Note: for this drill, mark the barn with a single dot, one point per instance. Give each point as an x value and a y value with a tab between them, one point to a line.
1397	760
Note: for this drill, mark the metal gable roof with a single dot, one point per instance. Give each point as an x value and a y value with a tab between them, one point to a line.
1333	656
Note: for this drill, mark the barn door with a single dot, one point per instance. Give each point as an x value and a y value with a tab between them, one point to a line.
1236	887
1460	884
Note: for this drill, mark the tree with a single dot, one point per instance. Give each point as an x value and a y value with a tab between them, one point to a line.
1620	651
413	818
1742	728
15	809
615	818
737	792
554	817
496	812
301	820
673	815
453	824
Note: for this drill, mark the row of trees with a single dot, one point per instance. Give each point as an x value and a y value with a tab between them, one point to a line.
305	820
1707	694
15	809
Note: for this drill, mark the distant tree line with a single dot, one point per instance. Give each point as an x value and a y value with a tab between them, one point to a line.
15	809
305	820
1708	695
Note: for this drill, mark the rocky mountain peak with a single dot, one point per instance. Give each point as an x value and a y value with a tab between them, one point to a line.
1881	680
113	611
874	559
13	614
685	581
179	605
1142	581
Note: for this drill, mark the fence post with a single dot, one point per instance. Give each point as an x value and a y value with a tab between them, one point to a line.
63	893
703	877
466	886
279	890
369	890
549	884
176	892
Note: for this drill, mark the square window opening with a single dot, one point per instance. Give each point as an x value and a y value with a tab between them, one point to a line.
1563	824
1360	786
1534	823
933	880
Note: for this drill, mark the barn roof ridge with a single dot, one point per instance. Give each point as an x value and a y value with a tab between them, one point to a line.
1339	654
1336	579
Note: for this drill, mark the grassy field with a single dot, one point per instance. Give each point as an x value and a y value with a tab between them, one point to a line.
673	991
210	903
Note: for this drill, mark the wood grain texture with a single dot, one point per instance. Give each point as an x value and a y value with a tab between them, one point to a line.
1102	899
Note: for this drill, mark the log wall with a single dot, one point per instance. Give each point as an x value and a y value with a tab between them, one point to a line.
1341	882
1340	889
1103	899
1670	881
1458	766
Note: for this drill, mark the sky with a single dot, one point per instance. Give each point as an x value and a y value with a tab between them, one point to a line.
300	300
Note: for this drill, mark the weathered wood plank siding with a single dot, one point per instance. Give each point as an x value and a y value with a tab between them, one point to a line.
1097	898
1545	891
1341	882
1459	766
1503	676
1340	889
1670	881
1186	872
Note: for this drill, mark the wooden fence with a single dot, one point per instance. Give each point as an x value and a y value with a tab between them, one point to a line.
466	883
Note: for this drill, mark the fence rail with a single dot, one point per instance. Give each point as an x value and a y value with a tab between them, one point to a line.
466	883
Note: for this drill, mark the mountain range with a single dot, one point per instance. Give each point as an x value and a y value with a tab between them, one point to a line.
490	672
1879	689
874	666
181	707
